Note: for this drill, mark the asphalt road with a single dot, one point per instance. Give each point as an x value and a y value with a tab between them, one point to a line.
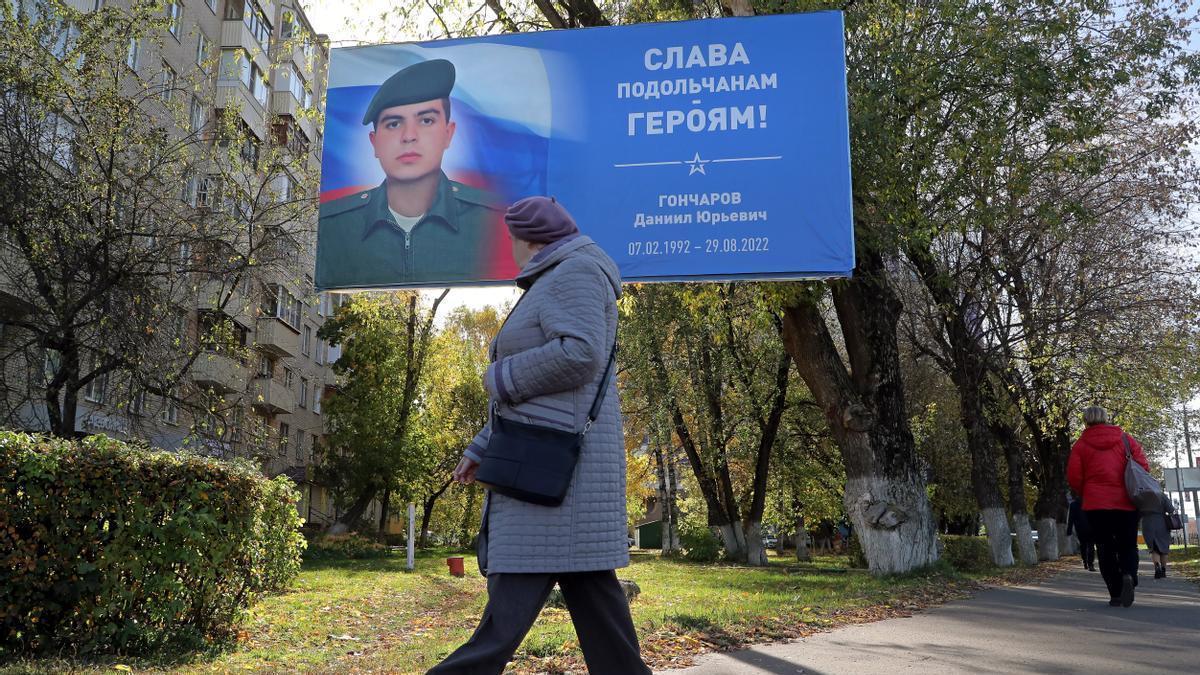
1063	625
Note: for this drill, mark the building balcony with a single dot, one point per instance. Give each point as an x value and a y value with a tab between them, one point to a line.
235	33
217	296
285	103
234	94
272	397
219	372
276	337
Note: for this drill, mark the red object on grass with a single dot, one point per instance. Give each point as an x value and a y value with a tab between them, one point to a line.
456	566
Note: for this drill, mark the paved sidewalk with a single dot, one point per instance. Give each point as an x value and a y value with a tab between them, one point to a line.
1061	626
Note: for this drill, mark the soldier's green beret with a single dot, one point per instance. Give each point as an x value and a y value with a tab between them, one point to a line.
424	81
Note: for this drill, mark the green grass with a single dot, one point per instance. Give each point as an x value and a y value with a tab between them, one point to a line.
373	615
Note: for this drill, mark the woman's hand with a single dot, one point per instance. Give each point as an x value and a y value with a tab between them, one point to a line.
465	471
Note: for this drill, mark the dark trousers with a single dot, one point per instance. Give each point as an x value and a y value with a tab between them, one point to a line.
598	609
1087	551
1116	545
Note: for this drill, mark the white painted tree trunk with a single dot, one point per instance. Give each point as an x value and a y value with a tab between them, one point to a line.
893	523
1025	545
756	553
1047	539
1066	545
802	552
733	539
999	536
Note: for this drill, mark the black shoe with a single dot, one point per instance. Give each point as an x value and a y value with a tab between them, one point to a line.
1126	590
1115	602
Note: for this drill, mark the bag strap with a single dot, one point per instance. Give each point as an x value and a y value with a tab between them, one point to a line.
1128	449
600	393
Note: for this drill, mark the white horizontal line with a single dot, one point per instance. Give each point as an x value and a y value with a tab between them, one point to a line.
745	159
646	164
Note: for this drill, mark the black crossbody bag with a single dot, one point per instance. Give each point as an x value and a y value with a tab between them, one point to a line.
534	463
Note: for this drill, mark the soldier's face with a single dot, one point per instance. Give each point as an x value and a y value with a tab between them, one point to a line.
409	140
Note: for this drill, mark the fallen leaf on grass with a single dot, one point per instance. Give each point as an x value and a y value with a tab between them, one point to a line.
343	637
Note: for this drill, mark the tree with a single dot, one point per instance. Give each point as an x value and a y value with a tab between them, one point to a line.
371	448
701	352
106	245
454	405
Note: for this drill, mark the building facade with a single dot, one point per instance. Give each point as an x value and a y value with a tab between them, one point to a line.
261	61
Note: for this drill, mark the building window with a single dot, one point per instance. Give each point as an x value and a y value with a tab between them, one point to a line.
185	256
299	443
201	50
167	80
137	402
258	85
303	392
198	115
174	18
170	412
266	366
281	304
320	359
289	379
133	58
316	398
284	430
190	187
95	389
208	192
212	4
306	341
235	66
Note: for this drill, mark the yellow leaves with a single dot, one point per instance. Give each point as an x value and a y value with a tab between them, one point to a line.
123	668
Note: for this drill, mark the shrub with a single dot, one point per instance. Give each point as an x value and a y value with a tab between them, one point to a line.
699	544
107	547
965	553
348	545
854	553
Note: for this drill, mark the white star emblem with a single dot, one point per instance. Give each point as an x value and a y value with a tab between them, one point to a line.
696	165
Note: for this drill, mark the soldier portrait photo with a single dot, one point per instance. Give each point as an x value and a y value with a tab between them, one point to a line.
417	227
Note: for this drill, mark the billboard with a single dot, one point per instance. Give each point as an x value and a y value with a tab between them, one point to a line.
696	150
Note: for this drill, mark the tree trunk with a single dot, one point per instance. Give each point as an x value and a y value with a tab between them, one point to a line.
966	366
383	511
671	533
470	518
664	508
427	512
802	552
756	553
347	520
885	494
1014	455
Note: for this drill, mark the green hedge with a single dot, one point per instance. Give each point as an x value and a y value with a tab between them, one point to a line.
109	548
966	554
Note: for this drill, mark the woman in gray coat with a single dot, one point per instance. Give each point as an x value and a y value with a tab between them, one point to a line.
547	364
1157	536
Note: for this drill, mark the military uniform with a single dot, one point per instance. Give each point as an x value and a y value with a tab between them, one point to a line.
362	246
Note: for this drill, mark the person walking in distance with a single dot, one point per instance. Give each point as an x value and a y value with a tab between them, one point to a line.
548	363
1096	472
1157	536
1077	524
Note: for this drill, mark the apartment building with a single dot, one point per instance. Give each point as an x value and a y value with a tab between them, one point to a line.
262	59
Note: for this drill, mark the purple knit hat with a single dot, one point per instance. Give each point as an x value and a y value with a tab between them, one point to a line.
540	220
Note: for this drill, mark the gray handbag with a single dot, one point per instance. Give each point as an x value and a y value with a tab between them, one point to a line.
1143	490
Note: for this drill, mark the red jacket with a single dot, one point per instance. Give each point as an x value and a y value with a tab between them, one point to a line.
1096	469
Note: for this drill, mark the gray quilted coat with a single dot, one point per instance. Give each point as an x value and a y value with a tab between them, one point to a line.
547	363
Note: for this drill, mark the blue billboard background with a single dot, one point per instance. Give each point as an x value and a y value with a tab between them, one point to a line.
711	149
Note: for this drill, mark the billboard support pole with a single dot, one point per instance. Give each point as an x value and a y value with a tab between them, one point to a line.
1179	481
1187	443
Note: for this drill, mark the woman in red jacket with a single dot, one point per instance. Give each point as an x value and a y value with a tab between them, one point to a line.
1096	472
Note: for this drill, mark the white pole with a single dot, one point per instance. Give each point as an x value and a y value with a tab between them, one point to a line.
412	541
